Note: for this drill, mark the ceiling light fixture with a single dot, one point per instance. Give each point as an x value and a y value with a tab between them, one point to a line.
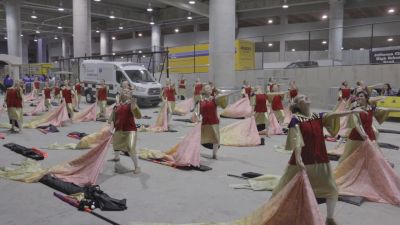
149	9
140	51
111	15
285	5
151	23
270	44
113	38
324	17
5	38
113	53
21	35
60	8
324	42
97	31
391	10
59	26
97	0
140	34
35	39
293	50
390	39
192	2
55	38
37	31
176	30
189	16
120	27
33	16
270	21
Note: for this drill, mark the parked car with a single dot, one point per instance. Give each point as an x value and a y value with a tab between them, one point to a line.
302	64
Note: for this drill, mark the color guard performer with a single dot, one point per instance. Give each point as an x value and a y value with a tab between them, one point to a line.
14	102
182	89
67	94
101	96
125	135
78	91
47	96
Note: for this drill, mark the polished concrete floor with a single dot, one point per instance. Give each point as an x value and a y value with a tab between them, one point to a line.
162	194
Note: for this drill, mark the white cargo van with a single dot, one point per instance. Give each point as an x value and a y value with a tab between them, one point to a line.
114	73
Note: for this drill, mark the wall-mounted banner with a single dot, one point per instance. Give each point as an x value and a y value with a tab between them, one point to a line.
385	57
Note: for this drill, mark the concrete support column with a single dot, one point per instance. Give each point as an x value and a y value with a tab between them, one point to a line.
335	29
222	44
13	21
65	47
282	42
81	28
156	45
282	49
105	44
25	47
42	50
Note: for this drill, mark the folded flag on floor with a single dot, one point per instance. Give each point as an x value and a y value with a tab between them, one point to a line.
32	153
184	107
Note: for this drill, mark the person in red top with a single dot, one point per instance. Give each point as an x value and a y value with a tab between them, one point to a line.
259	102
36	87
14	102
182	88
78	91
293	91
362	126
168	95
214	91
306	140
101	95
209	120
47	96
276	97
125	135
57	92
198	87
246	89
68	94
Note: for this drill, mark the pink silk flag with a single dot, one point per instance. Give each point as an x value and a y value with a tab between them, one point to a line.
38	109
85	169
239	109
366	173
89	114
242	133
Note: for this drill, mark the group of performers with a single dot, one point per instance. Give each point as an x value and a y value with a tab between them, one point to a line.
305	135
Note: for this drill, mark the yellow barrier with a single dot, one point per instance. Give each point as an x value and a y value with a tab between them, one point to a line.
391	102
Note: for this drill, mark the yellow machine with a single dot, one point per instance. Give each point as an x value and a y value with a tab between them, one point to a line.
391	102
182	60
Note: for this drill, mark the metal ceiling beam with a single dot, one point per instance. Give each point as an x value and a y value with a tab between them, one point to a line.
198	8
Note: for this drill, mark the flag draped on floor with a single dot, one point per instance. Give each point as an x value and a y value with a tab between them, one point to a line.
239	109
367	174
185	153
56	117
242	133
89	114
38	109
83	170
184	107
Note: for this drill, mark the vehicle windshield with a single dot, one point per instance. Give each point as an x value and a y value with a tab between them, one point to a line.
138	76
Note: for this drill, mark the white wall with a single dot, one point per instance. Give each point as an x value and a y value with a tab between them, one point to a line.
320	83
